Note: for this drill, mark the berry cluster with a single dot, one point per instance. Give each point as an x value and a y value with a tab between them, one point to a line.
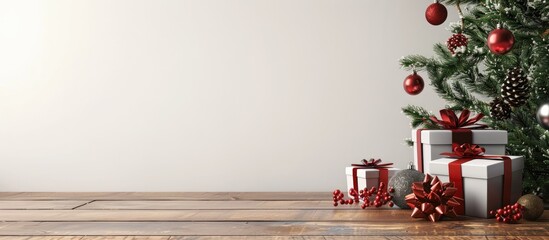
457	40
382	197
509	213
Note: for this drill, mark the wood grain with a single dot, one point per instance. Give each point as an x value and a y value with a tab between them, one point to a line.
416	228
203	196
358	215
356	237
269	238
186	216
202	215
41	205
41	238
205	205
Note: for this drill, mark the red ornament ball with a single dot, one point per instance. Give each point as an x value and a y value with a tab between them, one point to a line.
457	40
413	84
500	41
436	13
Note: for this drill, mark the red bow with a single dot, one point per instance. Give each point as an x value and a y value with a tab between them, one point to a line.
372	163
451	121
432	199
466	150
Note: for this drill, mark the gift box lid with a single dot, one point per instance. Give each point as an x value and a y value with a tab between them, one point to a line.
480	136
478	168
370	172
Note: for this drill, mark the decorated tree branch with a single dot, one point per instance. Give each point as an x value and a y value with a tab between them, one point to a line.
496	63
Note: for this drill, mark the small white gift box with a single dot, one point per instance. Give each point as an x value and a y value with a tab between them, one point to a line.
435	142
483	182
366	177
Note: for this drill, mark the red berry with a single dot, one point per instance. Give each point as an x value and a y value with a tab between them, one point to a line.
391	204
506	220
499	219
351	201
337	192
363	206
342	201
335	204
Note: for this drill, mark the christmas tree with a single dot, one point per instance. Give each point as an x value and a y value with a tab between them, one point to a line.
495	63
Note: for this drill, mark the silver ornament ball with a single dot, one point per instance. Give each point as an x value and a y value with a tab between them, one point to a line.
402	183
543	115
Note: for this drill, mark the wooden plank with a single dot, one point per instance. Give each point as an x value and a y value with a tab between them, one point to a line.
416	228
115	196
205	196
41	238
85	238
40	205
359	215
126	238
204	205
517	237
267	237
200	215
329	237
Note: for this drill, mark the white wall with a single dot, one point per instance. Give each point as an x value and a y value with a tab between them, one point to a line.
204	95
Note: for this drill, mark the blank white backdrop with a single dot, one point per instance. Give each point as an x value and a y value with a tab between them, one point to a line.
204	95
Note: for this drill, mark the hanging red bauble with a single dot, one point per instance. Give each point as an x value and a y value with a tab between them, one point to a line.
500	40
413	84
436	13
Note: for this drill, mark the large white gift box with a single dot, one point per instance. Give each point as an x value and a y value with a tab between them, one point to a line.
435	142
366	177
483	182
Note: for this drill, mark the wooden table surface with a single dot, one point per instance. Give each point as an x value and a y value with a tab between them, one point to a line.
283	215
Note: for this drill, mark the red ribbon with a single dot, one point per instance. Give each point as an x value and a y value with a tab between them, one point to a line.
419	144
372	164
449	119
467	152
460	126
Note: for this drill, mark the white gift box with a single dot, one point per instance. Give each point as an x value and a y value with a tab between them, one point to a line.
435	142
366	177
483	183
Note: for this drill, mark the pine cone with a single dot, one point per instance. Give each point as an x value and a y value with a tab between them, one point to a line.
515	90
500	110
457	40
